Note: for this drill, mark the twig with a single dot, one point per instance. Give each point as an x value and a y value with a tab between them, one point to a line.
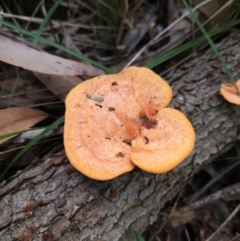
236	238
163	32
164	223
211	182
226	192
224	223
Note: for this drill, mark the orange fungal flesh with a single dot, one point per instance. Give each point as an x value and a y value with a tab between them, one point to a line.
229	92
167	144
107	116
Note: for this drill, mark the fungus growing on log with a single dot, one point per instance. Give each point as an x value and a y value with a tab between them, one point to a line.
114	122
230	93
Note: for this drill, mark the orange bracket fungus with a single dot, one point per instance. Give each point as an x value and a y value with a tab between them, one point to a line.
116	122
231	93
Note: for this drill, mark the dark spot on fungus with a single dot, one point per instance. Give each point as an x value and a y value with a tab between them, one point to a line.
111	109
82	122
98	105
145	121
114	83
120	154
107	138
128	142
155	112
146	140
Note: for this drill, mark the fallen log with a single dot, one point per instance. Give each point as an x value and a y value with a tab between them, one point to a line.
52	201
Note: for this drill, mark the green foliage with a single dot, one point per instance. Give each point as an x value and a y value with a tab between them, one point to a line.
13	91
108	11
46	19
190	44
18	132
138	236
31	143
208	38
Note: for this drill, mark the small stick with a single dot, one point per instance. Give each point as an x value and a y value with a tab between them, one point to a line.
224	223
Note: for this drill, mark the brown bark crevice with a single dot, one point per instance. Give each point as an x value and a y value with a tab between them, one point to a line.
52	201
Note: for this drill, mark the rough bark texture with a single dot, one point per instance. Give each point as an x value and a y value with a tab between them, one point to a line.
52	201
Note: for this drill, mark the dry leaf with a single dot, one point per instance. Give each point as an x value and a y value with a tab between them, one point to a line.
27	92
19	118
59	85
32	59
216	64
141	24
209	8
181	216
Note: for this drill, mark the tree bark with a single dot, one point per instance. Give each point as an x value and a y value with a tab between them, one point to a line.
52	201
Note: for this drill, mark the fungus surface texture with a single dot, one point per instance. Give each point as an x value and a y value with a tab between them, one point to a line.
114	122
229	92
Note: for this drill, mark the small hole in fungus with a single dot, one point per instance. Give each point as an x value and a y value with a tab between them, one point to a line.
107	138
114	83
145	121
98	105
128	142
155	112
111	109
146	140
120	154
82	122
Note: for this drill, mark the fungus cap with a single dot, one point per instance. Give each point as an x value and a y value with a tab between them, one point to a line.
168	144
108	115
229	92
